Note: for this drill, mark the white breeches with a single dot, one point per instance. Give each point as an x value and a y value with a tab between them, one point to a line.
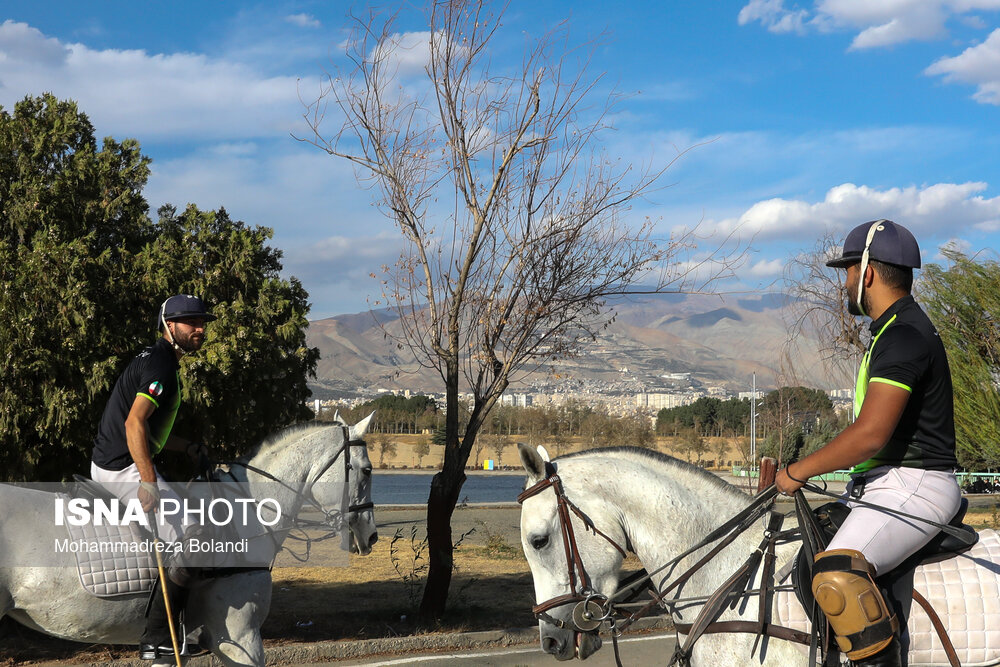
125	484
886	540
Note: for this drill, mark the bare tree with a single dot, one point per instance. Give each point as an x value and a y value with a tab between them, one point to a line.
478	446
384	446
512	219
818	309
499	443
422	449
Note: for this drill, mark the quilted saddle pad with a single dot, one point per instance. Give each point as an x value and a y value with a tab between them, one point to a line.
964	591
112	560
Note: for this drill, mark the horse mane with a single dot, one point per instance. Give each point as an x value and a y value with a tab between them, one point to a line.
660	458
281	436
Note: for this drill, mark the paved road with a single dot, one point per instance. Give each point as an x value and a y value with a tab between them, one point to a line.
651	649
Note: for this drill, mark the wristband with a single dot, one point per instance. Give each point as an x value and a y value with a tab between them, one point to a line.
788	471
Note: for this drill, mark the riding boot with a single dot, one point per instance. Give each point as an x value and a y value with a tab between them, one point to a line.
155	641
887	657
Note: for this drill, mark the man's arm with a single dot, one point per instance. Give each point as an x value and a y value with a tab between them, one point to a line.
137	435
880	413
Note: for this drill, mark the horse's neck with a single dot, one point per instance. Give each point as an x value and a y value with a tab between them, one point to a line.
670	516
291	466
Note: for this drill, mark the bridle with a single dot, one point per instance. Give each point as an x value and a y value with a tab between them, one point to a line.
589	603
329	516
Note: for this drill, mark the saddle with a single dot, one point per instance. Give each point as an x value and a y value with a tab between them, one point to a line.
941	547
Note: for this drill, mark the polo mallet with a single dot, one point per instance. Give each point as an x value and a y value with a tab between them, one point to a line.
163	582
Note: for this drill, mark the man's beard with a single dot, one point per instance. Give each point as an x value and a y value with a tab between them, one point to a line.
852	305
190	343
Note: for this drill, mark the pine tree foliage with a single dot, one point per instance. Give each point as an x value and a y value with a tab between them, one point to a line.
251	375
82	273
963	302
72	218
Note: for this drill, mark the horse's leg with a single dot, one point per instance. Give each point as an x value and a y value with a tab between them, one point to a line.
235	608
241	651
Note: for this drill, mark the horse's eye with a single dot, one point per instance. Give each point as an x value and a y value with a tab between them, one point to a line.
538	542
367	470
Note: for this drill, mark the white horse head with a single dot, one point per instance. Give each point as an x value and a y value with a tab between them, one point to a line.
361	520
319	461
558	581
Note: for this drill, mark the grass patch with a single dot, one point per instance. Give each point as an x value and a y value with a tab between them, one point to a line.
982	518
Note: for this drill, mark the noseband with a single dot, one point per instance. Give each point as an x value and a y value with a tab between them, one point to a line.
589	612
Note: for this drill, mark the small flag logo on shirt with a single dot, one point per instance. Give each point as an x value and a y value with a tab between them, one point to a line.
155	389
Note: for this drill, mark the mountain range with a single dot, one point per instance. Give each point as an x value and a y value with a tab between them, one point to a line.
658	343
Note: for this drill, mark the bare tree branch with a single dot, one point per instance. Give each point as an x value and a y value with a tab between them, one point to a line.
515	222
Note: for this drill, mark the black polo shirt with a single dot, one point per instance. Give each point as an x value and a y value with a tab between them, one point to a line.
907	352
153	376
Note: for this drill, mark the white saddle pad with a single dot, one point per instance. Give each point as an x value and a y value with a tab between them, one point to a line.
965	593
110	561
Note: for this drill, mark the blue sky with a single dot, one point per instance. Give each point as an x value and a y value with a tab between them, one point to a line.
818	115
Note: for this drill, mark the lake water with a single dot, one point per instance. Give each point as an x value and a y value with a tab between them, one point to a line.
412	488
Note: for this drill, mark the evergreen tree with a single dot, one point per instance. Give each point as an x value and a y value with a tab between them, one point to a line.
250	378
82	273
72	219
964	304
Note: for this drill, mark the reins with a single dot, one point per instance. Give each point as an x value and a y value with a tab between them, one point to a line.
302	524
943	527
593	608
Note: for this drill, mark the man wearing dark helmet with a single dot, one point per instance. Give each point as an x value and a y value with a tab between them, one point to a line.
901	446
136	426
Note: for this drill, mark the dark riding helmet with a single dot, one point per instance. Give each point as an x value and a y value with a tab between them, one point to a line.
884	240
184	305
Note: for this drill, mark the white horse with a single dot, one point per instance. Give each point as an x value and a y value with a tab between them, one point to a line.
228	610
658	507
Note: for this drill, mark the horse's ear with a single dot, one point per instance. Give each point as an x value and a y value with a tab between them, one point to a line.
336	416
358	430
532	461
544	453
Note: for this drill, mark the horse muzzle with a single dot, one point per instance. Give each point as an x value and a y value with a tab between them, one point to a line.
363	545
565	644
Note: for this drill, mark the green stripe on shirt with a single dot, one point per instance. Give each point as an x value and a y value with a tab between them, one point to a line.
149	397
892	382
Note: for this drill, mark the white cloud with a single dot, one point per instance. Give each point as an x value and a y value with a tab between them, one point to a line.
924	210
303	20
978	65
767	268
134	93
406	53
878	24
773	16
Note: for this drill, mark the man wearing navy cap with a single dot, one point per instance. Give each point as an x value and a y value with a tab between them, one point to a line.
900	448
136	426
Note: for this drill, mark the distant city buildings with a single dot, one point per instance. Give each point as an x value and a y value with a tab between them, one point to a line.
624	396
657	402
517	400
